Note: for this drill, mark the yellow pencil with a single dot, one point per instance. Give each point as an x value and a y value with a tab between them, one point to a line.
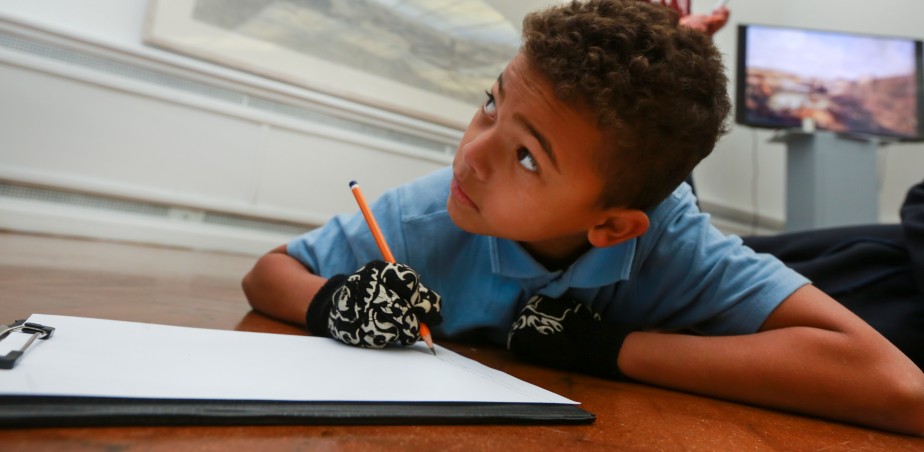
383	247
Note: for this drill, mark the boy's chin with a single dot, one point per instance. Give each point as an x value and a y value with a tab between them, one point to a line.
460	220
465	222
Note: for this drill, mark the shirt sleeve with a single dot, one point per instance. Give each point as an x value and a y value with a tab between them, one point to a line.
345	243
701	279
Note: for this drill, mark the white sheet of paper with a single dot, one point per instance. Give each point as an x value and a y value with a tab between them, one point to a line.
107	358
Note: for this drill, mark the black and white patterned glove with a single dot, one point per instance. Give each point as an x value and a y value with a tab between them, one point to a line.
380	304
565	334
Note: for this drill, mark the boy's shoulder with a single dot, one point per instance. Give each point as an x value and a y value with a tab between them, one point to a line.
424	196
677	223
681	201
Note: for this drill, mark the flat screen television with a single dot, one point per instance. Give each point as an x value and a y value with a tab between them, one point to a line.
848	83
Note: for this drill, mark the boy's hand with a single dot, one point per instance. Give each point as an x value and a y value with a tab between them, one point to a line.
382	303
565	334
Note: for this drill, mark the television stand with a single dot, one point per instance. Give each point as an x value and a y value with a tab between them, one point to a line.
831	179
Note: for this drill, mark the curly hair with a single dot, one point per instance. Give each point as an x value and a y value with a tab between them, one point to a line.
656	89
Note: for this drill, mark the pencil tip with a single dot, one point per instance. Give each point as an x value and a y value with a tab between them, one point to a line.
352	183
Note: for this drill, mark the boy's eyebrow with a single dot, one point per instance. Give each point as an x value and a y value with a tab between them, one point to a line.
543	141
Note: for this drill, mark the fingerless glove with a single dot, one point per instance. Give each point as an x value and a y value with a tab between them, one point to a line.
380	304
565	334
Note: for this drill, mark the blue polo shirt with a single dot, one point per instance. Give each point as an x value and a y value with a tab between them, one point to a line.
681	274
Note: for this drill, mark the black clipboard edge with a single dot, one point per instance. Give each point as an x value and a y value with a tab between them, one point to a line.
45	411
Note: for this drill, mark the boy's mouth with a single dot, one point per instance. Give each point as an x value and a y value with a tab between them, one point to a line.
455	190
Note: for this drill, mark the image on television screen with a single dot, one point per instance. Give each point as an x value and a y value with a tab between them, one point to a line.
846	83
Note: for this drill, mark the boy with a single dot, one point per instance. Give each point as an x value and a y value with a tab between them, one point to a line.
560	231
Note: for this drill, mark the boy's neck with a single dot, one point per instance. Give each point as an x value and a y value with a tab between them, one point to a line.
558	254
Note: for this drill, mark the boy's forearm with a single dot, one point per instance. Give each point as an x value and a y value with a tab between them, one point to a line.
281	287
854	375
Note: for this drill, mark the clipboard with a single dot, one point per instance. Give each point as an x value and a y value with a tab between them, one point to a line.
95	372
34	330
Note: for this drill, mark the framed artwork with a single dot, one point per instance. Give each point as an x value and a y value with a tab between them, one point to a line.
427	59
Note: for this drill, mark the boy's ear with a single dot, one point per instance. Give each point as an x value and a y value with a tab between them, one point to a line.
618	226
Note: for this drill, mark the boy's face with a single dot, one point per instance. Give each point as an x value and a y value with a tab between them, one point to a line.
525	167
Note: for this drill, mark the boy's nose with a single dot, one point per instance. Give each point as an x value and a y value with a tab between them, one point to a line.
479	154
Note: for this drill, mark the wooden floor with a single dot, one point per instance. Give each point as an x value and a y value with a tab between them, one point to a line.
110	280
202	289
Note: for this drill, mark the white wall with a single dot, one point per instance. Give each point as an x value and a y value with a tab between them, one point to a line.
73	128
104	129
725	178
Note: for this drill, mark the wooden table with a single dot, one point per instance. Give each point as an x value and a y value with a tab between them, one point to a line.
199	289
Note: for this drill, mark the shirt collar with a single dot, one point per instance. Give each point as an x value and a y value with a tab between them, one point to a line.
596	268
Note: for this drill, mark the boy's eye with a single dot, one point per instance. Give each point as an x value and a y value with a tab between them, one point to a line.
526	160
489	108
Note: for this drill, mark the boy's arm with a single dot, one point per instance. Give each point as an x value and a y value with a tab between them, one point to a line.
812	356
281	287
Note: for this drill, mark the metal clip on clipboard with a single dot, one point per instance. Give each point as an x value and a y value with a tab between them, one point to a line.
8	361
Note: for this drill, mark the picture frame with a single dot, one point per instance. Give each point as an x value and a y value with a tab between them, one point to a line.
377	53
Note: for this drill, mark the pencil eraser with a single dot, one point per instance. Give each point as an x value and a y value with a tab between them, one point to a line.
352	183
